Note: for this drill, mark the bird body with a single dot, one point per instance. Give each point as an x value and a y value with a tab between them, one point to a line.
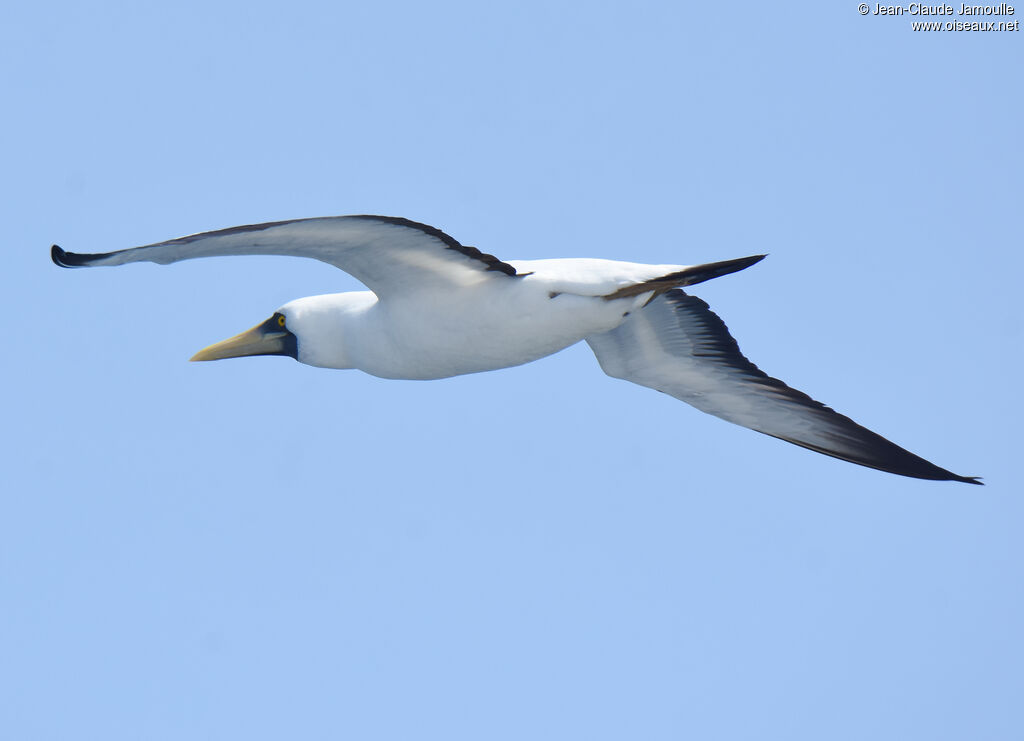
488	324
437	308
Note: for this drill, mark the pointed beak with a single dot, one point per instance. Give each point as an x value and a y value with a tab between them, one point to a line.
268	338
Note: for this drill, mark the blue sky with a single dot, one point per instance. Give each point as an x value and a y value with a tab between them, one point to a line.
257	549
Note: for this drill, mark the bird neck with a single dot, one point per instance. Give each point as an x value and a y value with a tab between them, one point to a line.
327	327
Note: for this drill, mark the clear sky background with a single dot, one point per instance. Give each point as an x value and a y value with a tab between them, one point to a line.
256	549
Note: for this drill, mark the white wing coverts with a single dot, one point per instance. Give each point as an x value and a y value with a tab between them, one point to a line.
677	345
386	253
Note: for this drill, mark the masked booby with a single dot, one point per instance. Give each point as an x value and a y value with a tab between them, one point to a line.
438	308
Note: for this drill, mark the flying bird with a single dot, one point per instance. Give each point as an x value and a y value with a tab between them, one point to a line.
437	308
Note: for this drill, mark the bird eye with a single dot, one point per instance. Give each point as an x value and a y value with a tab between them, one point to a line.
280	320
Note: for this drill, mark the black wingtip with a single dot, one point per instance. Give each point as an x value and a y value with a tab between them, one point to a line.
745	262
701	273
65	259
970	480
73	259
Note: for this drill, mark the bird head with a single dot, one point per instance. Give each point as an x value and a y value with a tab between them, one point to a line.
315	330
272	337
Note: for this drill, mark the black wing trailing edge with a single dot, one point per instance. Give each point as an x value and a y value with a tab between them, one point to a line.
863	446
677	345
67	259
492	262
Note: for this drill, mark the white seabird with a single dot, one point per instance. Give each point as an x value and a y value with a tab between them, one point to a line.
437	308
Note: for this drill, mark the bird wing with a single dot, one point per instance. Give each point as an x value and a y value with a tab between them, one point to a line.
677	345
388	254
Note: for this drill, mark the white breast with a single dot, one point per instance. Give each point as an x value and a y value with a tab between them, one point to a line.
499	324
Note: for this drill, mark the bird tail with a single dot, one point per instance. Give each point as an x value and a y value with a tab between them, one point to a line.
687	277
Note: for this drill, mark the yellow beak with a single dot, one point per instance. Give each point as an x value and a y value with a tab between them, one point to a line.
268	338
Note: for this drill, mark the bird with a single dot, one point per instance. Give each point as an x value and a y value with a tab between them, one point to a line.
437	308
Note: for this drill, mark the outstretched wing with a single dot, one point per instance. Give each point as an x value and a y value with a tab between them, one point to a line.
388	254
677	345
